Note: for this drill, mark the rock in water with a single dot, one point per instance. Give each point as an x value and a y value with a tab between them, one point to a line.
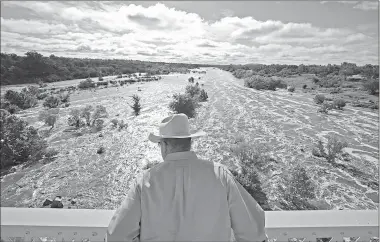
57	203
47	202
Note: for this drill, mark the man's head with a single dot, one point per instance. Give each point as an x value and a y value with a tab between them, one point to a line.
174	134
173	145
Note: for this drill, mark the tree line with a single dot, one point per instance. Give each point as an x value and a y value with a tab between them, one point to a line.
35	68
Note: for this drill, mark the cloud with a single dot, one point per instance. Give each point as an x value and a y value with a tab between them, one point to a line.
366	5
160	33
362	5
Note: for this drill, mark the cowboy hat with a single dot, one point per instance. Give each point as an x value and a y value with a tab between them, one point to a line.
175	126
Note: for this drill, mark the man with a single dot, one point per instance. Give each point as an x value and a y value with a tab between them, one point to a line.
185	198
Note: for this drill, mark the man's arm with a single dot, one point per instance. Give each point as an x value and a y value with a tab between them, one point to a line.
125	224
247	217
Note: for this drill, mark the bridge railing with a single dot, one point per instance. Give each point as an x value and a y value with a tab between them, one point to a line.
46	224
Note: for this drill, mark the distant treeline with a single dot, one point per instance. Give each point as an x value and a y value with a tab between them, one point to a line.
34	68
345	69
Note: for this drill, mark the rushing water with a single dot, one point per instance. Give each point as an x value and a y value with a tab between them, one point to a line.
287	123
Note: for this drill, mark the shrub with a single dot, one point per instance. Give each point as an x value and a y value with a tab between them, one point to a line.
263	83
339	103
372	86
192	90
11	108
75	118
122	125
52	102
114	122
334	147
183	103
304	86
100	78
100	112
88	83
98	124
101	150
64	97
252	158
315	80
42	84
299	190
42	96
102	83
49	117
136	104
191	79
120	76
203	96
20	143
86	114
23	99
319	99
291	89
331	81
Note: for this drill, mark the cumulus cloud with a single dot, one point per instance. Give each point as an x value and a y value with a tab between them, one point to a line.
366	5
160	33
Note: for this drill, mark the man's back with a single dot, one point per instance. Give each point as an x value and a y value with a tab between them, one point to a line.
188	199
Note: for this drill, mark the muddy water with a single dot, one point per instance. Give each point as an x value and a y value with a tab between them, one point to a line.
287	123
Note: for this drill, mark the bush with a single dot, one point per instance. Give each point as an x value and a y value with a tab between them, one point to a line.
86	113
101	150
49	117
291	89
98	124
114	122
100	78
52	102
203	96
102	83
315	80
191	79
11	108
120	76
42	96
100	112
20	143
304	86
263	83
183	103
334	147
252	158
88	83
23	99
192	90
64	98
372	86
331	81
122	125
136	104
339	103
299	190
75	118
319	99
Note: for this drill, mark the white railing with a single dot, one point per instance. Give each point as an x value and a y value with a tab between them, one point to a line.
46	224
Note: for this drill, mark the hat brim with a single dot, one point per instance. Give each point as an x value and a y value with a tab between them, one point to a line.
156	138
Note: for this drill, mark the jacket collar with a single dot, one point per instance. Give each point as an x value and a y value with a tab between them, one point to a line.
187	155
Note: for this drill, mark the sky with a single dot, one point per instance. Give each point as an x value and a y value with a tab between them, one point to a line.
203	32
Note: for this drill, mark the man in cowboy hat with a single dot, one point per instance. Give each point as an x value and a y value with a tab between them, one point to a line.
185	198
